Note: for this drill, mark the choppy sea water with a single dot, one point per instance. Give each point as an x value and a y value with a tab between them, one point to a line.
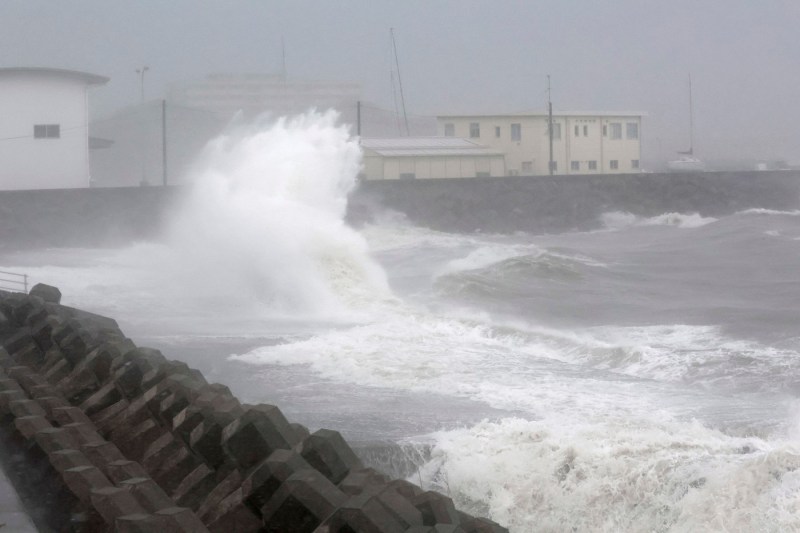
641	377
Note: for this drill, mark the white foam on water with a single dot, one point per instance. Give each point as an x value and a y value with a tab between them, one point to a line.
617	220
776	212
611	474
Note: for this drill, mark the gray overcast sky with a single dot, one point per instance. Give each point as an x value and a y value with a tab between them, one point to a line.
457	55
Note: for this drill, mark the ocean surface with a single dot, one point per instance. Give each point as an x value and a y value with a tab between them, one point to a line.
643	376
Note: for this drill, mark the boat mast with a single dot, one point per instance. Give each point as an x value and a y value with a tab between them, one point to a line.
691	119
399	80
550	125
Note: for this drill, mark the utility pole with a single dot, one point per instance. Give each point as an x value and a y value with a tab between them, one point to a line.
550	124
141	71
164	140
358	120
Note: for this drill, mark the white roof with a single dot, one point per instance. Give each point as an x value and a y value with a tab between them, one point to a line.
89	79
426	146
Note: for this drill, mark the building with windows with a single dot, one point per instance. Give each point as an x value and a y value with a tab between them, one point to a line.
583	143
429	157
44	131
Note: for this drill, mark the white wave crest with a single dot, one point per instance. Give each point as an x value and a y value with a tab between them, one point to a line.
617	220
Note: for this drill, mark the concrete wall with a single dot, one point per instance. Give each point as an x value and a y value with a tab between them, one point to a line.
26	162
88	217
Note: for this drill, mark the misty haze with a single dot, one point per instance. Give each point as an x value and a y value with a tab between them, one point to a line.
535	262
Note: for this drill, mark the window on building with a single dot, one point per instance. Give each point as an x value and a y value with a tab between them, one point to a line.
46	131
613	164
554	166
592	165
616	130
586	131
516	132
634	163
605	130
449	130
527	167
575	165
577	131
556	130
474	130
497	131
632	130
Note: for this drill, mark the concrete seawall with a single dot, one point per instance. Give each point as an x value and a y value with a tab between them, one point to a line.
99	434
90	217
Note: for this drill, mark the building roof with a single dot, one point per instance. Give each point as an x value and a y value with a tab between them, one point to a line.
544	114
89	79
426	146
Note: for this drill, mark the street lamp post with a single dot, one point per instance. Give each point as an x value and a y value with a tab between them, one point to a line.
141	71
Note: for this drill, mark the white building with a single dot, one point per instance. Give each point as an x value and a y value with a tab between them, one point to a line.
429	157
583	143
253	94
44	129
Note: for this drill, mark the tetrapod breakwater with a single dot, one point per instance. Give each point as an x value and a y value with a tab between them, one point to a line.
98	434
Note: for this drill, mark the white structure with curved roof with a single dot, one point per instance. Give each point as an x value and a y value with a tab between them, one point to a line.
44	128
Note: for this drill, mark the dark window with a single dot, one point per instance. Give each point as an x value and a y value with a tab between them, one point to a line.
616	130
592	165
632	130
449	130
575	165
577	130
516	132
634	163
497	131
474	130
613	164
586	131
46	131
605	130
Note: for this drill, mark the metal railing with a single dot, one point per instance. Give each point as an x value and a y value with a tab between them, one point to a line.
12	281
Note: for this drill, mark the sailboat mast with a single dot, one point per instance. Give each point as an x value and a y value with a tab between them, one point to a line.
399	80
691	119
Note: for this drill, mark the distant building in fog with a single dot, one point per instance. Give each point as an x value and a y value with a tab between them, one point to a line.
44	128
429	157
254	94
583	143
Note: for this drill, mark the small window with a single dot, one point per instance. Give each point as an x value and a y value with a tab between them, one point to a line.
592	165
613	164
586	131
516	132
632	130
46	131
605	130
408	176
554	166
449	130
616	130
474	130
634	163
575	165
556	130
497	131
527	166
577	131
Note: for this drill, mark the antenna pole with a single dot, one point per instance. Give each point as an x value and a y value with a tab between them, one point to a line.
399	80
550	124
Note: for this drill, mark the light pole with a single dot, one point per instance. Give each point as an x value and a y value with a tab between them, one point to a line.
143	151
140	72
